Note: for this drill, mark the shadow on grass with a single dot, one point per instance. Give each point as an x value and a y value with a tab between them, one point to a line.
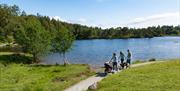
43	65
101	74
60	65
15	58
10	49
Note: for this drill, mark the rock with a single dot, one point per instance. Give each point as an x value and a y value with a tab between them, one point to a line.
93	87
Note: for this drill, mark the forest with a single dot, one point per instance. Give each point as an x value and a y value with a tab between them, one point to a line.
12	19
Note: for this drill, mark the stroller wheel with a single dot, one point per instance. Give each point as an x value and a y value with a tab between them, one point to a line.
105	71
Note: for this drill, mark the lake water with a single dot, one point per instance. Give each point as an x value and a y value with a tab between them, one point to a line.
97	51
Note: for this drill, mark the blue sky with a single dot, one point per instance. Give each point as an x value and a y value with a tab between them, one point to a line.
106	13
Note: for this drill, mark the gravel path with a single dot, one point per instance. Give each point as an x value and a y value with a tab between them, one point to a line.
83	85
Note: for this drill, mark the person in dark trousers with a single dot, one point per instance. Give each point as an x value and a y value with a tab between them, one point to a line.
129	57
114	62
121	57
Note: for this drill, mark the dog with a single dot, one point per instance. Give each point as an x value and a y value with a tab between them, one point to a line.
124	65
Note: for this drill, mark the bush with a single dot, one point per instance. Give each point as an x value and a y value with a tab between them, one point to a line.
152	59
138	61
15	58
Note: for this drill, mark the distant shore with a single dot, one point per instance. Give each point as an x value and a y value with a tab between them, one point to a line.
131	37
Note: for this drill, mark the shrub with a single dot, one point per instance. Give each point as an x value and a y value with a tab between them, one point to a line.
152	59
15	58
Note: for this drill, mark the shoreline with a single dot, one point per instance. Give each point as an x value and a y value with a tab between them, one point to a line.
98	68
129	38
92	65
141	61
4	44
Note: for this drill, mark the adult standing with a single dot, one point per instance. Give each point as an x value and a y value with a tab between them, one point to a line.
114	62
129	57
121	57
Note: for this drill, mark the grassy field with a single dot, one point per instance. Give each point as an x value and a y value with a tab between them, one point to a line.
17	73
21	77
163	76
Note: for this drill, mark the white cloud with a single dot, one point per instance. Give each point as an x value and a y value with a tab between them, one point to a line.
81	21
58	18
154	20
140	22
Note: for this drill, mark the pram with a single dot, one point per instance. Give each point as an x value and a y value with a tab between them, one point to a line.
108	68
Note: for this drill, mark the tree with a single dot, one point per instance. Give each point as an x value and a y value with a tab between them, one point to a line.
62	42
33	38
23	13
8	16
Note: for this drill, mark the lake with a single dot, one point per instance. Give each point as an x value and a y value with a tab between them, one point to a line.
97	51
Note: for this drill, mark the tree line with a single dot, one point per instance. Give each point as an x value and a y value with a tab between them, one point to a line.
84	32
38	34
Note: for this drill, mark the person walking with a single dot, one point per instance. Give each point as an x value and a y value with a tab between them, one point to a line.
114	62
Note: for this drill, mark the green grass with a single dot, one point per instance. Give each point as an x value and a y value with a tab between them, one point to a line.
162	76
138	61
22	77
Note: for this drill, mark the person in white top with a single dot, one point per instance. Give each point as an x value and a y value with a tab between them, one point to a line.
114	61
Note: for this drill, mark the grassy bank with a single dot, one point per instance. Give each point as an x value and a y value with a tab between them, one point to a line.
163	76
21	77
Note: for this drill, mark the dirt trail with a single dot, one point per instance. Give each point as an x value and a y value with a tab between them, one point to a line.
83	85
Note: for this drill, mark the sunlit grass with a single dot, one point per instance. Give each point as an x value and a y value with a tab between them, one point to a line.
163	76
21	77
